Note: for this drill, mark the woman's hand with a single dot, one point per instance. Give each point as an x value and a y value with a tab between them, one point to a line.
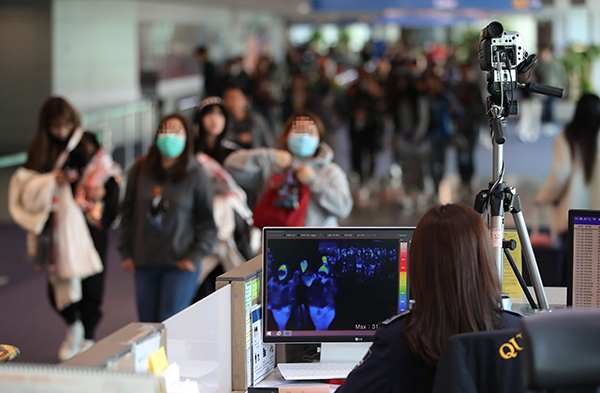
97	193
63	177
305	173
186	265
128	265
283	158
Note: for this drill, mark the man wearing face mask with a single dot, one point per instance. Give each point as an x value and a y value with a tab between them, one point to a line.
303	151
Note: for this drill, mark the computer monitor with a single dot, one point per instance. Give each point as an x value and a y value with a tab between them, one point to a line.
332	285
583	261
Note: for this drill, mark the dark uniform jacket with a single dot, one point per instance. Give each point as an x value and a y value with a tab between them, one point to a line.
389	366
489	362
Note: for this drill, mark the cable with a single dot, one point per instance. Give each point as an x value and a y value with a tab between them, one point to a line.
499	69
500	177
512	91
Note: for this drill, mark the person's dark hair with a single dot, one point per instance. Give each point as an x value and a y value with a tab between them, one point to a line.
201	50
152	162
44	149
233	86
287	128
453	278
200	141
582	132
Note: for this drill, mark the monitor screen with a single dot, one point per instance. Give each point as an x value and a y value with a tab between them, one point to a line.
583	262
332	284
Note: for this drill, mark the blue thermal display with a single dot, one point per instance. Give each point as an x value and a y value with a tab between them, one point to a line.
331	285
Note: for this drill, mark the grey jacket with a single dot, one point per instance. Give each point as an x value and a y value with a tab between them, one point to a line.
330	196
177	225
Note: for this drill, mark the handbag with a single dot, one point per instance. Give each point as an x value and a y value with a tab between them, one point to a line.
284	204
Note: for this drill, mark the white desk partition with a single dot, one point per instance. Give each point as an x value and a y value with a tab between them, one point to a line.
199	341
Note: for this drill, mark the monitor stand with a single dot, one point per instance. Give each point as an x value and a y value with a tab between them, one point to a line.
343	352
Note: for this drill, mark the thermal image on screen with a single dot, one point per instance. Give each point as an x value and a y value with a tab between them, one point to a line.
333	285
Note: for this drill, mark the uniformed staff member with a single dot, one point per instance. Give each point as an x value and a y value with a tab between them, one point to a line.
456	288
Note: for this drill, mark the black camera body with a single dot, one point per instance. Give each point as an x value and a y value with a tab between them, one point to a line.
497	45
503	55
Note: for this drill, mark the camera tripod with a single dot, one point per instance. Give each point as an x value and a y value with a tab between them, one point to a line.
501	198
501	53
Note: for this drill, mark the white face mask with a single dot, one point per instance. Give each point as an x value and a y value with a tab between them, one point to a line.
303	145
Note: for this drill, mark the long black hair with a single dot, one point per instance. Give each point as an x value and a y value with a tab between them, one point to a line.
207	106
582	132
44	149
152	162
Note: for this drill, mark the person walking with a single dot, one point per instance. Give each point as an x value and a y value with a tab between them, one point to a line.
574	181
74	182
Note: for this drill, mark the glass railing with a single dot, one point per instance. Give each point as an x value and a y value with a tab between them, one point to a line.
128	127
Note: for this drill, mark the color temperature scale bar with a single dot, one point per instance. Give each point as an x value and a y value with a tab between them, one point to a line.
403	296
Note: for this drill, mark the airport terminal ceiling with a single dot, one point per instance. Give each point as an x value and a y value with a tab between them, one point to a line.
324	11
282	7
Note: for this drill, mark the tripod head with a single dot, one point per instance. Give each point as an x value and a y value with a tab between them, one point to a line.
502	55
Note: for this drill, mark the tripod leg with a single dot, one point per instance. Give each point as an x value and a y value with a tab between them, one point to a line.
497	228
532	266
513	265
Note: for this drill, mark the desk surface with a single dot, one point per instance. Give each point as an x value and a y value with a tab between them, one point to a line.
276	380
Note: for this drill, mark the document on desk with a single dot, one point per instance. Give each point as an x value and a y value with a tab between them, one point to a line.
276	384
510	283
293	389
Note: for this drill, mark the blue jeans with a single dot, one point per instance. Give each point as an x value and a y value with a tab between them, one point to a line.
163	292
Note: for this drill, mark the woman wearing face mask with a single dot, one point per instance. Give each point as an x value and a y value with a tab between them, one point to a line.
312	160
60	155
167	224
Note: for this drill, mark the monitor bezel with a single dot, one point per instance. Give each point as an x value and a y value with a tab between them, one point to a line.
571	240
366	337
